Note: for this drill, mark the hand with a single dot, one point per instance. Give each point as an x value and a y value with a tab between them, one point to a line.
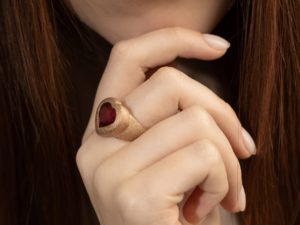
185	164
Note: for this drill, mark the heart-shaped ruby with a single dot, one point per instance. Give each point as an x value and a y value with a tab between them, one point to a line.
107	114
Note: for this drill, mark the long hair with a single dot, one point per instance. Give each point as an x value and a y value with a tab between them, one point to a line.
270	106
39	181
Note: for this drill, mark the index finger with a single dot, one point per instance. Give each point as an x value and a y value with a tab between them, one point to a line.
130	59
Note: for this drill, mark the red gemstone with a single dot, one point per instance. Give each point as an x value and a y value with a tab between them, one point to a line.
107	114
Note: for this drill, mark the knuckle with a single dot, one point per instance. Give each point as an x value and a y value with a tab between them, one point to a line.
199	117
207	150
127	201
209	153
168	77
101	180
228	108
131	200
166	74
212	154
81	157
223	189
122	49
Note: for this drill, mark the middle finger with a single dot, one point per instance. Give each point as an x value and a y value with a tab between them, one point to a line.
165	137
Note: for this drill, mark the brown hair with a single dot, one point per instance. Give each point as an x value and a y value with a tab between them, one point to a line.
39	182
270	104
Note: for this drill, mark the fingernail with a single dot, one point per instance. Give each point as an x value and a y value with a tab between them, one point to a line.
248	140
242	199
216	42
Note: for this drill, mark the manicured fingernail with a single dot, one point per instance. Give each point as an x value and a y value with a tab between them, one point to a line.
242	199
216	42
248	140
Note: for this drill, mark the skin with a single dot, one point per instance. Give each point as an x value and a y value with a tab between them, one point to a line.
118	20
178	182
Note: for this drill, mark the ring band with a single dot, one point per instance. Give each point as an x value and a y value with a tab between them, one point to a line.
113	119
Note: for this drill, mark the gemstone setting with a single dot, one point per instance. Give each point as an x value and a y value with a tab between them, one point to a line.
107	114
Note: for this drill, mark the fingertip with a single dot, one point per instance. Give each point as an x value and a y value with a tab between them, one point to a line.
231	205
249	142
245	146
243	154
216	42
242	200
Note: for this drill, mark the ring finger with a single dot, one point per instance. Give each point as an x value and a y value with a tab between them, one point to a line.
166	137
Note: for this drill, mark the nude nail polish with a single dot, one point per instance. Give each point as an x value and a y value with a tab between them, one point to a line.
249	142
242	199
216	42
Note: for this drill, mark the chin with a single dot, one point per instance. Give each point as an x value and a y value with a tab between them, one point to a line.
134	30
